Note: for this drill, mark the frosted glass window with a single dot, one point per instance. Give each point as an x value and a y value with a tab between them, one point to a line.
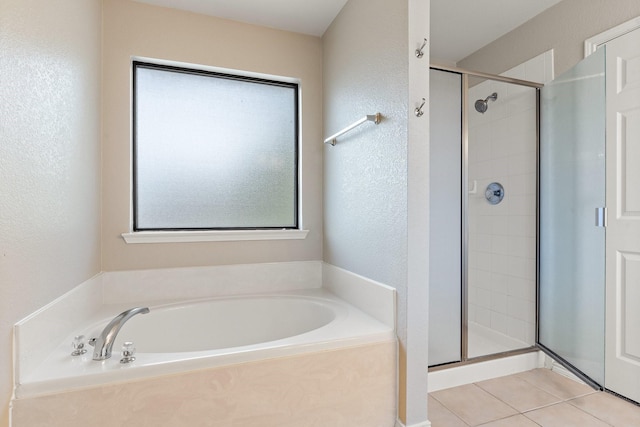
213	151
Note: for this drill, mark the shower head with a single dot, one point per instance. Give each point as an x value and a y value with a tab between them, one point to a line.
482	105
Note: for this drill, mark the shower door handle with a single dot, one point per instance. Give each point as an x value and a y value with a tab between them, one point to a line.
601	217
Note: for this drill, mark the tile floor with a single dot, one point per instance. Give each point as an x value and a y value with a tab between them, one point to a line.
530	399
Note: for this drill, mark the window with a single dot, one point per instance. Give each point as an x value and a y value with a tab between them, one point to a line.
213	151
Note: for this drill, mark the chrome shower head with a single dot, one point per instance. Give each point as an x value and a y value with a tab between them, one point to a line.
482	105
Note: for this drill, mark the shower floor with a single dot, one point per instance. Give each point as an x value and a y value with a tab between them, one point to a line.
484	341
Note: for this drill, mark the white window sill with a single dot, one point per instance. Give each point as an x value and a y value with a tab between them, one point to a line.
212	236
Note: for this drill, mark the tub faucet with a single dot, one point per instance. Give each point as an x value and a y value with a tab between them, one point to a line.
104	343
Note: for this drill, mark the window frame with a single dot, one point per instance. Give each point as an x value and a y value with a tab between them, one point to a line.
146	235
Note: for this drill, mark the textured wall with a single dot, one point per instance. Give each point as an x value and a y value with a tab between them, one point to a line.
365	176
366	70
563	28
49	158
136	29
352	387
375	225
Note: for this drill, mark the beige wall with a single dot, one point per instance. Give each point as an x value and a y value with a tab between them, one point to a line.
49	158
563	28
135	29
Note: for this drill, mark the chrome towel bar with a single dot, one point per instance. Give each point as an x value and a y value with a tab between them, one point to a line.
368	118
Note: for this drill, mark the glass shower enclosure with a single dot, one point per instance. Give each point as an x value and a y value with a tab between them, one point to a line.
518	220
483	194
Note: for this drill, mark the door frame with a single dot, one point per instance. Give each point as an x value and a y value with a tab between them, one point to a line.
593	43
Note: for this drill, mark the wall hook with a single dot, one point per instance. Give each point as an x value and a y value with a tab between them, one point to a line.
418	111
419	51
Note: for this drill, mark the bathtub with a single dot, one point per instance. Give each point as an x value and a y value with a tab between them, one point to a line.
185	336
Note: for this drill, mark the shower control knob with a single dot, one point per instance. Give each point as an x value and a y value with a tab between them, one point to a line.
494	193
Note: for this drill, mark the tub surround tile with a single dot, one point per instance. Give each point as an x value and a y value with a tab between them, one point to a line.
610	409
35	335
473	405
207	282
374	298
353	387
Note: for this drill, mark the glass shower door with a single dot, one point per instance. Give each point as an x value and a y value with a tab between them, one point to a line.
572	245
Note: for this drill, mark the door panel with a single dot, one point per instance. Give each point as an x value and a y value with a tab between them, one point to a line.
623	231
445	281
572	186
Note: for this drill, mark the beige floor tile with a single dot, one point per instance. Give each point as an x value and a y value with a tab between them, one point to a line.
518	393
556	384
473	405
609	409
515	421
442	417
564	415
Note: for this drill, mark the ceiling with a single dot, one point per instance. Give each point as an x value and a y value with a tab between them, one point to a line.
301	16
458	27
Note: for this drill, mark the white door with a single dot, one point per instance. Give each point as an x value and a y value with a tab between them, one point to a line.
622	359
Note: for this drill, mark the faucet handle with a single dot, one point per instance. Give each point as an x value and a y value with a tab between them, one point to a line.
128	351
78	346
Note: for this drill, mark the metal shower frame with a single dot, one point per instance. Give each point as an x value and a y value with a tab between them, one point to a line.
464	336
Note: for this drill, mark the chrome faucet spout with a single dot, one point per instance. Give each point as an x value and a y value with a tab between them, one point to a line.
104	343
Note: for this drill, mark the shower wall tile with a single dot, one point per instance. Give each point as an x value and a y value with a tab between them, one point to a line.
517	72
520	308
501	263
483	279
522	205
524	184
499	322
483	298
483	316
534	69
483	243
521	102
499	226
524	247
522	288
499	303
517	329
522	225
482	261
522	163
500	283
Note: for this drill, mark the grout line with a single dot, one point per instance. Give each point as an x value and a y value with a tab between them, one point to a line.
524	413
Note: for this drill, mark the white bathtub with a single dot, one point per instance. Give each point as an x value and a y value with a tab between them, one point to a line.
199	334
